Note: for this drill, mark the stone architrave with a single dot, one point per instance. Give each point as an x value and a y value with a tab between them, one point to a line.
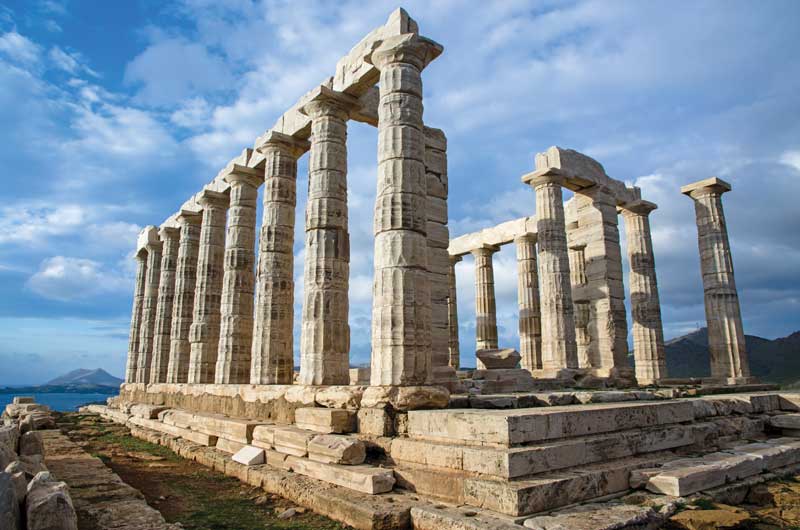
530	322
325	332
131	366
205	329
401	307
166	295
559	349
238	283
452	315
183	305
149	306
726	342
485	302
273	340
647	328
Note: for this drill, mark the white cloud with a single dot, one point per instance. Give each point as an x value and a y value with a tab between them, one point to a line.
19	48
68	279
792	159
32	224
71	63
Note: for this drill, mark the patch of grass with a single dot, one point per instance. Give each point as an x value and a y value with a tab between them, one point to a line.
704	504
129	443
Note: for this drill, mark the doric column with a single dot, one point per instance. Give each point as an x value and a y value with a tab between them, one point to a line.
131	366
559	350
149	306
648	332
582	337
325	332
530	320
452	315
273	339
723	314
183	305
401	307
238	282
204	332
166	295
485	303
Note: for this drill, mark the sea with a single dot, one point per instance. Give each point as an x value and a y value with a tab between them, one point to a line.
62	402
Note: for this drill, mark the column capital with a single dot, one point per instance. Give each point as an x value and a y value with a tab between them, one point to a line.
324	101
189	217
549	175
526	238
284	143
407	48
213	199
485	250
638	207
237	174
153	246
710	186
169	232
141	256
456	259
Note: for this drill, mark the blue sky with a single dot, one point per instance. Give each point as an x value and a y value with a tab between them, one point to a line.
114	113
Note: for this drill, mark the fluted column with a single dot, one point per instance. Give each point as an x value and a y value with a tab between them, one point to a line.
648	332
205	329
238	282
325	333
183	304
530	322
401	307
726	341
452	314
273	339
166	295
485	302
149	306
559	350
131	365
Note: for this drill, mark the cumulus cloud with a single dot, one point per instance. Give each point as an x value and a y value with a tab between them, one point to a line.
32	224
69	279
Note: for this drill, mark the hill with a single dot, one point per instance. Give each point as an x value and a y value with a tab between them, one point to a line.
83	377
774	361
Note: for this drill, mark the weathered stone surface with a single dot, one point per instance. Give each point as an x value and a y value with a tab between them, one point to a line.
201	438
23	400
229	446
48	505
363	478
166	296
375	421
405	398
149	307
30	443
721	518
499	358
291	440
326	420
359	376
785	421
150	412
332	449
339	397
249	456
6	456
485	303
530	321
607	516
9	504
132	364
687	476
439	517
264	436
9	436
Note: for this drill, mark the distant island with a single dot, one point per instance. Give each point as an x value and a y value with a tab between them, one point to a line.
80	381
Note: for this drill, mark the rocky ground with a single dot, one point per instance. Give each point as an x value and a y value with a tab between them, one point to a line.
189	494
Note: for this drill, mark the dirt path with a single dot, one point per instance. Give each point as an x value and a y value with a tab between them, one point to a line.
185	492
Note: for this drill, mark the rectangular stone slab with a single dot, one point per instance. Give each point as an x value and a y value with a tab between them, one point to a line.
147	411
292	441
187	434
511	427
229	446
249	456
786	421
709	471
775	455
363	478
325	421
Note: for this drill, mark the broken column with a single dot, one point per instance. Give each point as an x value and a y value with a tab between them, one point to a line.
205	329
485	303
452	315
647	329
559	350
149	304
166	294
238	283
273	340
723	315
183	304
325	332
530	324
131	365
401	311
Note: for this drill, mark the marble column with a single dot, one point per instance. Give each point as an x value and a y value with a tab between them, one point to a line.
452	315
726	341
131	365
205	329
325	332
273	338
583	338
238	281
648	332
485	303
530	320
401	307
183	305
559	349
149	306
166	295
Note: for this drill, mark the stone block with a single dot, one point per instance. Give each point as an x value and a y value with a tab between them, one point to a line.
377	422
264	436
340	397
48	505
774	455
172	430
359	376
499	358
687	476
326	421
149	412
785	421
249	456
229	446
334	449
276	459
7	456
23	400
292	440
31	443
9	437
601	516
178	418
224	427
363	478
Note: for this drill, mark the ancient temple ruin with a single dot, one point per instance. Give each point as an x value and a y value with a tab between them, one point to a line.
562	417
